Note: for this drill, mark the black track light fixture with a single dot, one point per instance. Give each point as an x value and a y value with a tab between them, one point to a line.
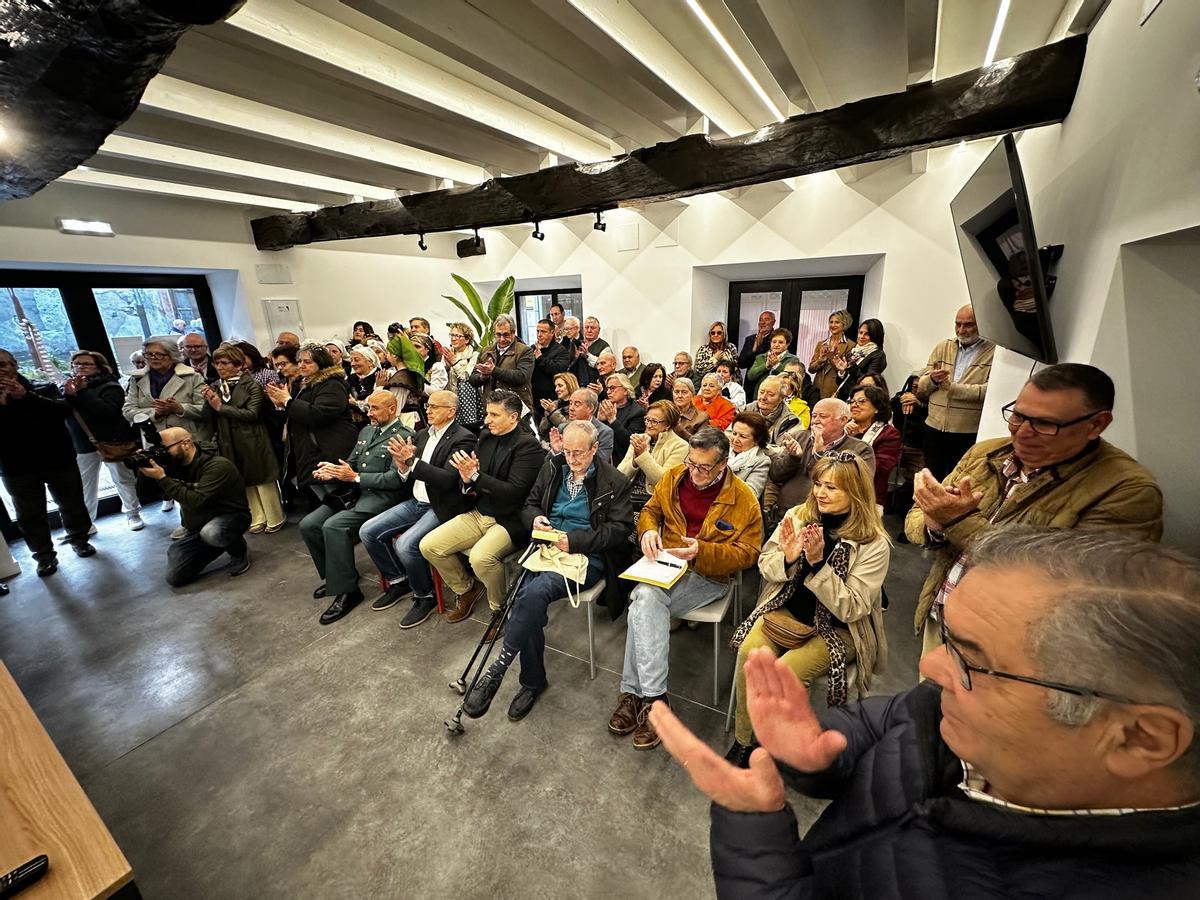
478	239
599	223
538	234
421	242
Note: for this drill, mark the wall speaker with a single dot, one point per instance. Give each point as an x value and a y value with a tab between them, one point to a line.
472	246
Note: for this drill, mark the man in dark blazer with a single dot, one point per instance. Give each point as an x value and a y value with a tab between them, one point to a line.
507	364
550	358
499	474
392	539
622	414
330	532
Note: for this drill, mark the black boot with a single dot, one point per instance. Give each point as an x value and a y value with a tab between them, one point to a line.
341	606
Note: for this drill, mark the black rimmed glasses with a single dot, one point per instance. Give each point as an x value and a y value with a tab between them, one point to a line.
701	469
965	668
1041	426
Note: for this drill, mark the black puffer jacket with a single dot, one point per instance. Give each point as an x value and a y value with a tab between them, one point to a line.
611	515
899	826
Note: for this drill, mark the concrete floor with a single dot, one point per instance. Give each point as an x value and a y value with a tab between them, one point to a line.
237	748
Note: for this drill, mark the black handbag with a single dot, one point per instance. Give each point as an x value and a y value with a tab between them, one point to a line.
342	497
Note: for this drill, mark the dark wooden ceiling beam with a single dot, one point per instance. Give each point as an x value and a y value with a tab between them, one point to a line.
1032	89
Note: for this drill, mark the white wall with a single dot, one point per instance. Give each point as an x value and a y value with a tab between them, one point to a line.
1123	168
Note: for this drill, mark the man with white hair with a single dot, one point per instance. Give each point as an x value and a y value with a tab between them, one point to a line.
788	480
507	364
586	363
583	406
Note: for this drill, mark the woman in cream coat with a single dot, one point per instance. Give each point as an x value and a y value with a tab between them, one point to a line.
652	453
821	605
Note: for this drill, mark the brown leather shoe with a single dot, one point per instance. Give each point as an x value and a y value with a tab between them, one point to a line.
625	717
645	735
466	603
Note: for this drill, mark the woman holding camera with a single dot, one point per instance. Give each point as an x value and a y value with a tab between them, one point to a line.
320	428
95	396
821	604
242	437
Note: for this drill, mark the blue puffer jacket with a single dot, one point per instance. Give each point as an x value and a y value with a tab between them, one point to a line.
899	826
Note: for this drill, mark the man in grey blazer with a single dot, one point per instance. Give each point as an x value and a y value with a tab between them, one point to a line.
329	531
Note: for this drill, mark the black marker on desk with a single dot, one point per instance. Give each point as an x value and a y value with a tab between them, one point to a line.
23	876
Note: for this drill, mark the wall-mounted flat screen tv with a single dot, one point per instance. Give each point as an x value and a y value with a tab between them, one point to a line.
1005	277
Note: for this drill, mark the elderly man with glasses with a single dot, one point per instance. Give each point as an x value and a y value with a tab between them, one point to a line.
1051	752
194	348
506	365
1054	469
704	516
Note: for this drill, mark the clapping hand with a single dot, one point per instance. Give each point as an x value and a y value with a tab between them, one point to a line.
448	356
467	465
639	443
596	387
11	389
840	363
280	393
484	368
772	358
818	438
548	405
942	505
556	440
402	452
381	378
812	539
939	376
213	398
608	411
789	540
789	443
343	471
167	407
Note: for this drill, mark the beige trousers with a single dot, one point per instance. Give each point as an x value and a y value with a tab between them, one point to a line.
265	508
487	542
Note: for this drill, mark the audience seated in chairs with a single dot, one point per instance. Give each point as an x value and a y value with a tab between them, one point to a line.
499	475
719	410
1054	469
820	607
1051	752
621	414
748	458
631	365
556	412
579	494
870	412
708	517
651	454
788	482
772	406
392	539
331	530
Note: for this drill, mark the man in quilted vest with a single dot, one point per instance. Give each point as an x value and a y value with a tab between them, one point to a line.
1054	469
1052	751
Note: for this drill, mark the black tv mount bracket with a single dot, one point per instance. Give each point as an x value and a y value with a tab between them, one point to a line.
1049	255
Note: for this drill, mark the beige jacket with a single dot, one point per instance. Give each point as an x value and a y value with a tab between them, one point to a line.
857	601
956	406
186	386
668	452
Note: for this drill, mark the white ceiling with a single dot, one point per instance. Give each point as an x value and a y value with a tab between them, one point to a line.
314	102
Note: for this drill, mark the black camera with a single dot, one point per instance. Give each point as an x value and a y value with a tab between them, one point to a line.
154	451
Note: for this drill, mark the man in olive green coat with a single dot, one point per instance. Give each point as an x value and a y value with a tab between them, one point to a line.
331	533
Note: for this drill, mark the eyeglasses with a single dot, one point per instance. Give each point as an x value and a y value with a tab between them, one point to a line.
700	468
1041	426
153	355
650	421
860	401
577	454
439	406
715	331
965	669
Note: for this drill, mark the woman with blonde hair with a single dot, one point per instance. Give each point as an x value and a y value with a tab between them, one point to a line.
821	604
460	358
565	384
821	367
717	349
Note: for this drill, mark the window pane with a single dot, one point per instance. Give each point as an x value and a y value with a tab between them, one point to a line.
34	327
815	309
133	314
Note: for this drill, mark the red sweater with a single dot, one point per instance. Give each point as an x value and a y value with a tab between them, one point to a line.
695	503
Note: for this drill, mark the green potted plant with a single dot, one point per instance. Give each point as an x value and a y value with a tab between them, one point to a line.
479	316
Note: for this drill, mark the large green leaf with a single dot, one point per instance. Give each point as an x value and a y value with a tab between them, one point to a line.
473	298
466	312
503	299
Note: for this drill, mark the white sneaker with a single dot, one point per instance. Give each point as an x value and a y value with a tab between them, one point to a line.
178	533
168	505
135	522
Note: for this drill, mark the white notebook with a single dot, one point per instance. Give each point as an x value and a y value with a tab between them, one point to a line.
663	572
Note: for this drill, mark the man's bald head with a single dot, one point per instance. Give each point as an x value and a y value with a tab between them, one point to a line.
381	407
174	435
965	328
287	339
441	408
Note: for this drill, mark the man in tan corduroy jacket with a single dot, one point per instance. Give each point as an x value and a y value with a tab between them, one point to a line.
954	384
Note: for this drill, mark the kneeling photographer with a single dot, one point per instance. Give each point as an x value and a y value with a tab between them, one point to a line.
212	501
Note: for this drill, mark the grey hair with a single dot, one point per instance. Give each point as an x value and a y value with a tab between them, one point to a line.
169	345
841	407
592	319
1122	619
711	376
607	351
505	319
710	438
575	319
587	428
589	395
776	382
687	383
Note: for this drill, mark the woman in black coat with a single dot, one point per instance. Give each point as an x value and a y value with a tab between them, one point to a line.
319	425
95	396
865	358
586	499
243	437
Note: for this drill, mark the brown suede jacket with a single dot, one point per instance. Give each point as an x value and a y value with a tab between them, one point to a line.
732	533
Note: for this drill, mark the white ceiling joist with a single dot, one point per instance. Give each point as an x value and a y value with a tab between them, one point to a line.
134	148
625	25
151	186
306	31
192	101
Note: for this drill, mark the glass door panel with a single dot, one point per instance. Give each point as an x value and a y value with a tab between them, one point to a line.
131	315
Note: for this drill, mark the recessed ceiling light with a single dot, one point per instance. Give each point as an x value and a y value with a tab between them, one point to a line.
84	226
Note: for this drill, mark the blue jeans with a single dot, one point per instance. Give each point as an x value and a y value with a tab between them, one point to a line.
527	622
414	520
188	557
648	637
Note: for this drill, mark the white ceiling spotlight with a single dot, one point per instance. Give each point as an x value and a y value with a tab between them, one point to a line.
727	48
997	30
84	226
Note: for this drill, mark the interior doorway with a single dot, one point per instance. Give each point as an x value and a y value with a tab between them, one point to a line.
801	305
